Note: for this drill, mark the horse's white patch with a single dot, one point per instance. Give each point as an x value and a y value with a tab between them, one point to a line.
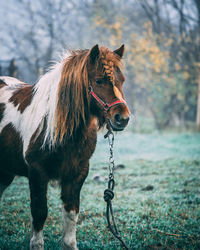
69	226
11	115
117	93
45	100
37	242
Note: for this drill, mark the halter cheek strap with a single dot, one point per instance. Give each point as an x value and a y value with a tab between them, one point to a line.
105	105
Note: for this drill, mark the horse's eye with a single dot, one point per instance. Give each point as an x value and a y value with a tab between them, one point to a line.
99	81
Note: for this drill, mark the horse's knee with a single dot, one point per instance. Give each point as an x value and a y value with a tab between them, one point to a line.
39	215
39	211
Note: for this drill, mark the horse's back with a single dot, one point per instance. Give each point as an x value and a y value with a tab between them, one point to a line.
8	85
10	81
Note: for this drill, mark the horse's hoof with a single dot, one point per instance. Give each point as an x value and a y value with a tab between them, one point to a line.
69	246
36	245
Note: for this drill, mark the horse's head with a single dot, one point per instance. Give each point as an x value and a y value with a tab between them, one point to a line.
90	79
106	81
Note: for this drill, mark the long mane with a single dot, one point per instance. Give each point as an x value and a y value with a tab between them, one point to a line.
72	97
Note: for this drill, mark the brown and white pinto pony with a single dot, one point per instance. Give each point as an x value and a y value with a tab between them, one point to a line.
49	130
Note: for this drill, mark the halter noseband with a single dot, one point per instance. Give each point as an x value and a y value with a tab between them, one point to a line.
105	105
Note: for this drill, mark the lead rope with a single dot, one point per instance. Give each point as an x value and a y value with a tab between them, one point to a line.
109	192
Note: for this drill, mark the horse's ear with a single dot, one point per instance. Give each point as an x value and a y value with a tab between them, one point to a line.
120	51
94	53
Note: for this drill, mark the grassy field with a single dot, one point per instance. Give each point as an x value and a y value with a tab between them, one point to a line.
157	202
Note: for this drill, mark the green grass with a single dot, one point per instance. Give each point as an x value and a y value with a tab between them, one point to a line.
166	217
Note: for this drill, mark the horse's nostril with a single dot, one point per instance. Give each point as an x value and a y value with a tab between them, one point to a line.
120	120
117	118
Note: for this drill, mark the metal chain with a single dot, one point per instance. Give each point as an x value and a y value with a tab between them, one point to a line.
111	158
109	192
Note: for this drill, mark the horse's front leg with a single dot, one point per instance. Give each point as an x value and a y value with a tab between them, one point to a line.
70	195
38	191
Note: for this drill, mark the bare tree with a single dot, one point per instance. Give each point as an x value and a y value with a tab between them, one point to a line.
37	30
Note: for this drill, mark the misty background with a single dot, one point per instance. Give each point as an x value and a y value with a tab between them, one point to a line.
162	40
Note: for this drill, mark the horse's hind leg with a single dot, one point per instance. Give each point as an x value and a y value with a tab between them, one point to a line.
5	181
38	191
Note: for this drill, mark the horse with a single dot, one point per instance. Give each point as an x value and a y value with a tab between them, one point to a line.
48	131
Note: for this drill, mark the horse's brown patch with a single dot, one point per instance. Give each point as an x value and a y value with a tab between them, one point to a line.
22	97
2	83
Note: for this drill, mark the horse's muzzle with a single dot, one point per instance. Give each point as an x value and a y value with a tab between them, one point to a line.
119	123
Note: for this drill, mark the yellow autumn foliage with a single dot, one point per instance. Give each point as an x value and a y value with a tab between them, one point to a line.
114	28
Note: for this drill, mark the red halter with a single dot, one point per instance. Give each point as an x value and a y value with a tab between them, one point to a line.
106	106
